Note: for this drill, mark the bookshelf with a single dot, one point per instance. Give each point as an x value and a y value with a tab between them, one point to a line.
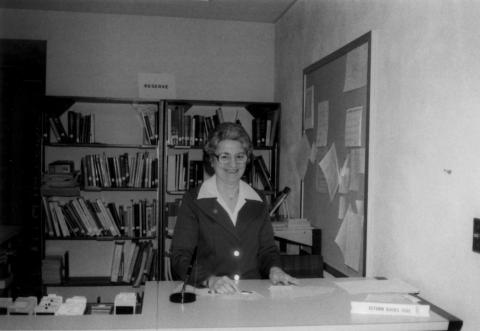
100	191
186	127
160	143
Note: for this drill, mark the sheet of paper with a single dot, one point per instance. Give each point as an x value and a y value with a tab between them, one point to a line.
341	237
156	86
309	105
376	286
353	252
355	182
313	153
359	205
349	238
243	296
320	181
353	127
301	153
206	292
322	123
329	166
344	176
298	291
357	155
356	68
342	207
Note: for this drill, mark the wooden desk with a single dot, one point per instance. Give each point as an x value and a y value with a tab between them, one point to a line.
326	311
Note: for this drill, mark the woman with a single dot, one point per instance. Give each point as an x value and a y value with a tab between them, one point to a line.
226	221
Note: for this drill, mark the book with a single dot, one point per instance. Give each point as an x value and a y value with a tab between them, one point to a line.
58	129
117	261
274	127
130	264
49	226
391	304
279	200
262	171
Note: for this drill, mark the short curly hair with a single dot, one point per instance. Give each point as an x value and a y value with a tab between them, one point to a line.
226	131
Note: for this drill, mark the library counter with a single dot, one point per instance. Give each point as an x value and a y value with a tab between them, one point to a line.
317	304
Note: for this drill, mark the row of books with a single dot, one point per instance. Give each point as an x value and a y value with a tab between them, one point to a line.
263	132
80	128
80	217
260	176
124	170
190	130
150	125
183	173
133	262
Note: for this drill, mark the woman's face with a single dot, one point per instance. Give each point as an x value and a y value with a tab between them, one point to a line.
230	161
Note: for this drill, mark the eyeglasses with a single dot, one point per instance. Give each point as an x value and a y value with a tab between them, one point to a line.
225	158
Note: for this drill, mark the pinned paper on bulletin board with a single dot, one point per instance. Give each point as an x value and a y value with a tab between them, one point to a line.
320	181
156	86
353	127
301	152
349	238
329	166
309	108
313	153
344	176
322	123
356	68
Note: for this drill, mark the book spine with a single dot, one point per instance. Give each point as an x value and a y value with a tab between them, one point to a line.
380	308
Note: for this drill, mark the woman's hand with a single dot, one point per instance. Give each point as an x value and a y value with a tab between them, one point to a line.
278	276
222	285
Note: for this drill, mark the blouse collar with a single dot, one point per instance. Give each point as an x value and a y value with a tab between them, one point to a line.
209	190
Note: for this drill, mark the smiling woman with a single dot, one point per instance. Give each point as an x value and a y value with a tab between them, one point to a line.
226	221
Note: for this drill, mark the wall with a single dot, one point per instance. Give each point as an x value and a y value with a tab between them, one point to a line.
424	179
100	55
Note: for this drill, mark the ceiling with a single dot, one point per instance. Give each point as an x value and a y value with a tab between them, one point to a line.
266	11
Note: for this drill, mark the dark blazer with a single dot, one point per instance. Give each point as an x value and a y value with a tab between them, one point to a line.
247	249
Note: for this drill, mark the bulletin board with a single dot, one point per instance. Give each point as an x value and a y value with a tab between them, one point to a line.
332	159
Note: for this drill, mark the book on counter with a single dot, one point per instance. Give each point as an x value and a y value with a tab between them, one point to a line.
391	304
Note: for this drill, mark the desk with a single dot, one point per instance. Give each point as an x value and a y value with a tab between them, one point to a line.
147	320
327	311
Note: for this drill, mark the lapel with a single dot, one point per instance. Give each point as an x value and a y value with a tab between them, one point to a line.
250	212
216	213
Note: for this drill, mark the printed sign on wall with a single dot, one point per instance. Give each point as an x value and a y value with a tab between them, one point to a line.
156	86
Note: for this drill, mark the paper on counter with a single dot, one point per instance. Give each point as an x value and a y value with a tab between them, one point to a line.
243	295
298	291
376	286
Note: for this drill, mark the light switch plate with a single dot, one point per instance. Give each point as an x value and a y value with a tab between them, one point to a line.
476	235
